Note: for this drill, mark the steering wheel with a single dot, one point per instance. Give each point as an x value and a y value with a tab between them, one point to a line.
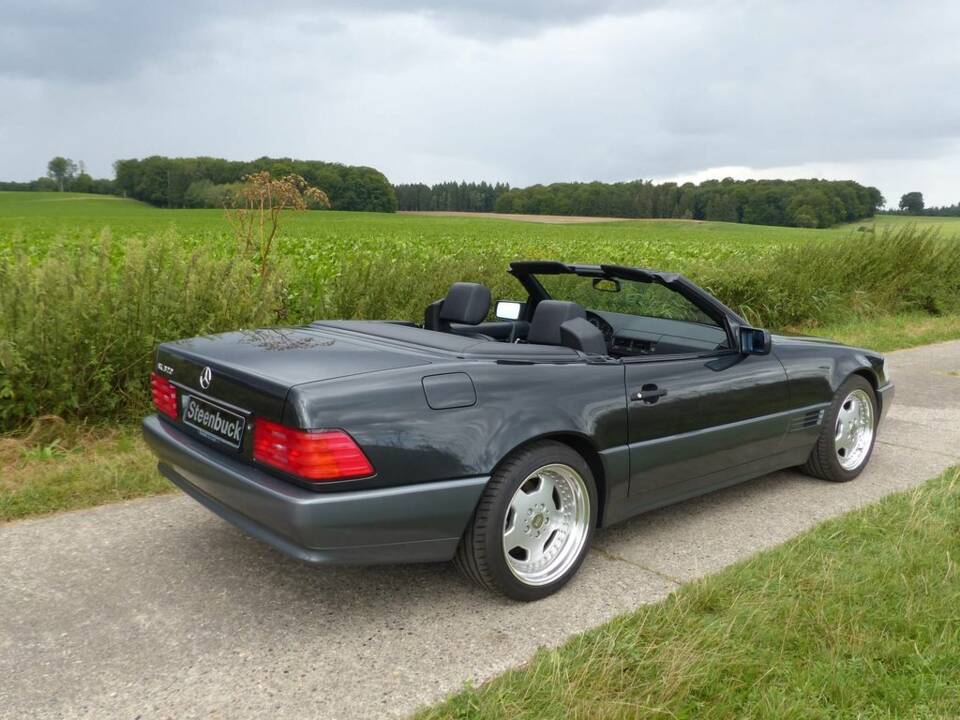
601	325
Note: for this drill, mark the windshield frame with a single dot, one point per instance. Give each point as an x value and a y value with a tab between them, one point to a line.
526	273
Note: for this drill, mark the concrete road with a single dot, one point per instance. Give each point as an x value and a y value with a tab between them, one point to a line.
157	609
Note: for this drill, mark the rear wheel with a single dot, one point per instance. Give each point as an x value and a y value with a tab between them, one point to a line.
848	434
533	524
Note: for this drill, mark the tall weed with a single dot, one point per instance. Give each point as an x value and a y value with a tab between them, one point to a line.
78	327
818	282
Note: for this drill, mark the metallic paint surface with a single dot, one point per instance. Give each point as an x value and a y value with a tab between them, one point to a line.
413	523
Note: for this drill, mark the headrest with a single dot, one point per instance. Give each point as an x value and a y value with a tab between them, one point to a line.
580	334
547	319
466	303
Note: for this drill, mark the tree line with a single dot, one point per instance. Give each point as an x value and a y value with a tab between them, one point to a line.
911	203
798	203
63	174
457	196
210	182
200	182
205	182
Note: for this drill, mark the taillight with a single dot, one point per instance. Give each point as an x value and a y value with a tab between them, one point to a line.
309	454
164	395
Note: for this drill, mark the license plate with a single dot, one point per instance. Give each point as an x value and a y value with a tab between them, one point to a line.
213	420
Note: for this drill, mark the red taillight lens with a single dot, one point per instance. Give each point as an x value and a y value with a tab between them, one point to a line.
312	455
164	395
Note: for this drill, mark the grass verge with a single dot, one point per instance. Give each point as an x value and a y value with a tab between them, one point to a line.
857	618
891	332
62	467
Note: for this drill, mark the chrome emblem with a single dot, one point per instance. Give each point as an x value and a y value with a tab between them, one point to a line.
206	375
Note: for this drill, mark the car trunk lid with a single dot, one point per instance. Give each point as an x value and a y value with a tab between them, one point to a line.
251	372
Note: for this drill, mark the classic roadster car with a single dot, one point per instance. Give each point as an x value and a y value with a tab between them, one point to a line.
502	442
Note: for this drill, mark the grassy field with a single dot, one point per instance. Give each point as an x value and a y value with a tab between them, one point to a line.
857	618
47	214
946	225
316	242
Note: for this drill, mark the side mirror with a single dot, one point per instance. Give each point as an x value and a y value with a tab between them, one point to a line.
508	310
754	341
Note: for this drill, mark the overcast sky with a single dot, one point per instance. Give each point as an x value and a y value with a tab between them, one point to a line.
524	92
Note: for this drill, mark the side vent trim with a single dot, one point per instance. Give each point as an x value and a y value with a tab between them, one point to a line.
807	420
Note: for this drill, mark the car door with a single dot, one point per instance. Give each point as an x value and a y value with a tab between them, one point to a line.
694	420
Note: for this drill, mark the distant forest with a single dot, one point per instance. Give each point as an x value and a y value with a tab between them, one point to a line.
799	203
79	182
207	182
459	196
942	211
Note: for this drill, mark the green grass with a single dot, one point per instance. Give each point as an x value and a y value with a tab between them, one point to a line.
36	223
946	225
71	467
857	618
891	332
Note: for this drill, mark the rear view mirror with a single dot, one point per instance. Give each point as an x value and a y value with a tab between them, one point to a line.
606	284
508	310
754	341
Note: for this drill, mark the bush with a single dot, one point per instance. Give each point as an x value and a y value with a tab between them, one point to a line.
78	328
819	282
78	324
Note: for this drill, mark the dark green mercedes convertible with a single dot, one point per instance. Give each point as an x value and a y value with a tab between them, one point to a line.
501	439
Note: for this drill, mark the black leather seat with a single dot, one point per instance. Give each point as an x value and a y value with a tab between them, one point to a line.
465	306
547	319
560	322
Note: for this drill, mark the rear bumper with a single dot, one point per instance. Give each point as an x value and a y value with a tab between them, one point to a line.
413	523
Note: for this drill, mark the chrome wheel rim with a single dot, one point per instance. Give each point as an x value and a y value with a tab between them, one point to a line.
546	525
853	434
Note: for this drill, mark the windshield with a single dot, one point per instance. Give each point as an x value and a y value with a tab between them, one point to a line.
627	297
639	318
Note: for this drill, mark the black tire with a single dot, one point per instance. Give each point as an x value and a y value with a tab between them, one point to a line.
823	462
480	555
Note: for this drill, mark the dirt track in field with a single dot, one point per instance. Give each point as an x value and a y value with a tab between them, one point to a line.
546	219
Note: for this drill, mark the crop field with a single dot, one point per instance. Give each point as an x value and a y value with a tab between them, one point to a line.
33	223
37	221
90	284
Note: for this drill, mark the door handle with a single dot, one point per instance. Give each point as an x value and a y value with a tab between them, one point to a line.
648	394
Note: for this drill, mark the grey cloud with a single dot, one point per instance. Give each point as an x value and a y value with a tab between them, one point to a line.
94	41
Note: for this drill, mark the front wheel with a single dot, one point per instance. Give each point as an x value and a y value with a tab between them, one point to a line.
533	524
848	434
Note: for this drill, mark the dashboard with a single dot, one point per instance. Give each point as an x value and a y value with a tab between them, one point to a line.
629	335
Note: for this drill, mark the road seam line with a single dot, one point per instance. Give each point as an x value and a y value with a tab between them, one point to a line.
910	447
609	555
